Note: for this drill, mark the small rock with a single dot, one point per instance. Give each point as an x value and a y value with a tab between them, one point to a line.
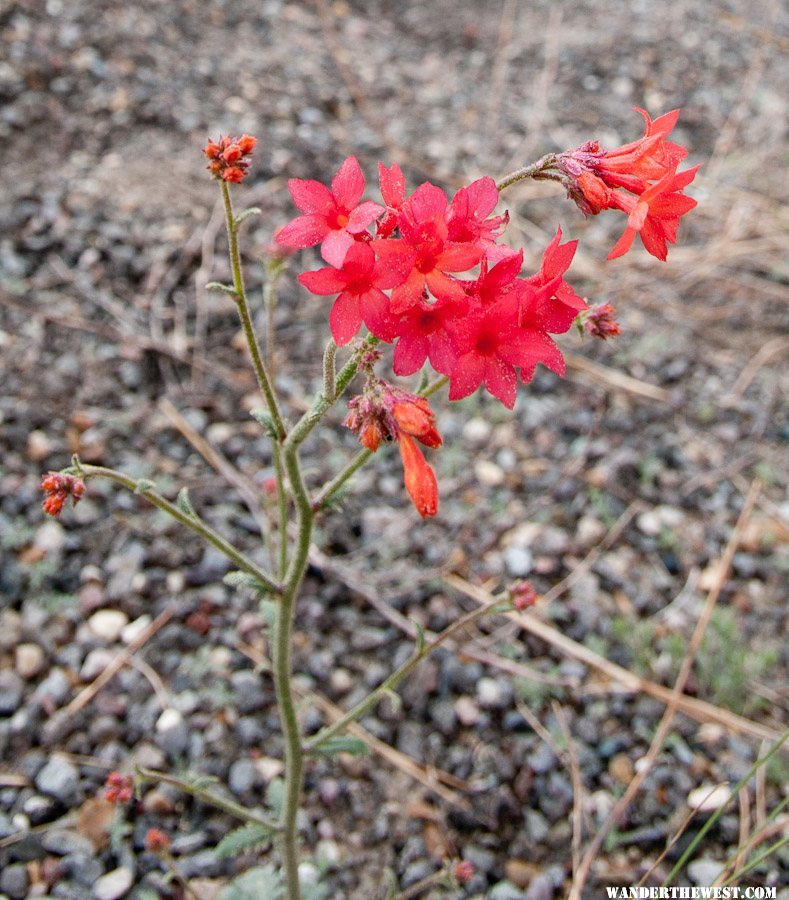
39	446
50	537
29	660
703	872
488	473
61	842
134	629
708	797
59	779
10	628
11	687
505	890
242	776
114	884
518	560
467	711
519	872
620	767
95	663
540	888
477	432
14	881
341	681
172	732
493	693
55	688
107	624
589	531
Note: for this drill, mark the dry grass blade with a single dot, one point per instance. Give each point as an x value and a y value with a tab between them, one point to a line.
88	693
615	380
667	720
577	783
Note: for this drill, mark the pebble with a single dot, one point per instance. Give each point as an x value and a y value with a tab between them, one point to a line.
14	881
708	797
11	688
95	663
477	432
61	842
129	633
172	732
467	711
59	779
488	473
55	688
703	872
50	537
505	890
10	628
493	693
28	660
518	560
242	776
107	624
39	445
620	767
540	888
114	884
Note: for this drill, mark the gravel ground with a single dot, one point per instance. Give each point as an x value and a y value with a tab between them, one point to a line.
111	231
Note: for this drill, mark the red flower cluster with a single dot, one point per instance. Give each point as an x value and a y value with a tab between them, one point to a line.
384	413
119	788
639	178
230	157
402	281
58	488
600	321
523	595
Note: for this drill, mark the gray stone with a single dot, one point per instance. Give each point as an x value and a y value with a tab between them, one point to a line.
54	688
703	872
61	842
482	860
242	776
59	779
200	865
505	890
114	884
14	881
540	887
11	687
518	560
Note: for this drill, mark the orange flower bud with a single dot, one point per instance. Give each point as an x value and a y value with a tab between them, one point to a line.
233	154
234	174
420	480
246	143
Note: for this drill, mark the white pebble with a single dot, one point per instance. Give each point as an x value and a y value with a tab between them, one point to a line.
130	632
29	660
488	473
168	720
107	624
708	797
114	884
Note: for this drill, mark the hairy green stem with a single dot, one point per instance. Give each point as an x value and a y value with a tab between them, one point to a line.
282	508
434	386
192	522
330	489
540	171
264	381
329	374
387	686
224	803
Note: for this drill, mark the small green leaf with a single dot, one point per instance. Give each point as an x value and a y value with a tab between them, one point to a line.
185	504
264	419
275	795
222	288
420	636
202	782
239	579
143	485
268	610
246	214
255	884
244	838
342	744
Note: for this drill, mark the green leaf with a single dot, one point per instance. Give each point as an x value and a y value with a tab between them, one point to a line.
268	610
275	795
255	884
420	636
143	485
222	289
239	579
342	744
246	214
202	782
264	419
244	838
185	504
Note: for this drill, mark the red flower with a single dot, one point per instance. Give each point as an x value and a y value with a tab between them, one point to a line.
392	184
229	157
333	218
118	788
425	250
468	222
384	413
555	261
600	322
419	478
360	282
655	214
540	313
423	335
58	488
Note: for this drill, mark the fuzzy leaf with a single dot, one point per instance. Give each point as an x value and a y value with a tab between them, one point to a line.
254	884
244	838
342	744
185	504
246	214
261	416
275	795
239	579
143	485
222	288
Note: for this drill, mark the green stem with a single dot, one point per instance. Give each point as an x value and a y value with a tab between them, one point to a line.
282	507
329	490
753	863
539	170
434	386
223	803
386	687
246	320
192	522
329	374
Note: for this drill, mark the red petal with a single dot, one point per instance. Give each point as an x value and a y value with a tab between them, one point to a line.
443	287
363	215
345	319
623	244
427	202
654	238
323	281
335	246
410	353
466	377
420	480
311	196
304	231
392	182
458	257
501	380
348	184
374	307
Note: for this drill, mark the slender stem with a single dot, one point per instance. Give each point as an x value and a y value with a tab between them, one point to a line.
539	170
270	305
753	863
364	706
246	320
193	523
223	803
282	507
330	489
329	374
434	386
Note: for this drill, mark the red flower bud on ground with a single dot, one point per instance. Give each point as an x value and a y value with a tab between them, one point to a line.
523	595
463	871
119	788
600	321
157	841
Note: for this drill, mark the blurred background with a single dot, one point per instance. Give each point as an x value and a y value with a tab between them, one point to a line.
616	489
